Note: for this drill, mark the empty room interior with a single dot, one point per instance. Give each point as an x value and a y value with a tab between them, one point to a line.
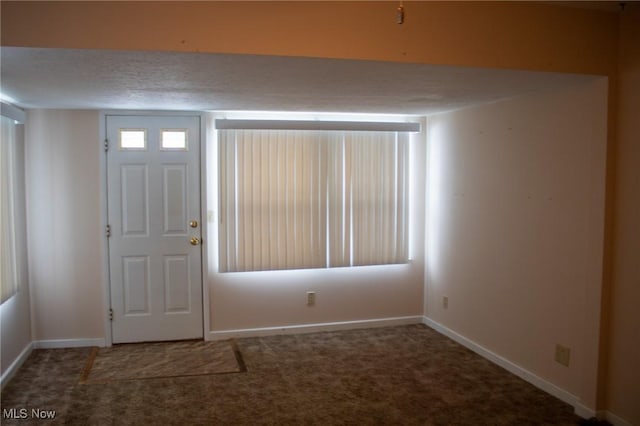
467	173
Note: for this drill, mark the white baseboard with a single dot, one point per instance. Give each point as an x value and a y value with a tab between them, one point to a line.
612	418
312	328
68	343
580	409
15	365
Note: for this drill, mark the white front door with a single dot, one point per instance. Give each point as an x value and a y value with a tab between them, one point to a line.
153	167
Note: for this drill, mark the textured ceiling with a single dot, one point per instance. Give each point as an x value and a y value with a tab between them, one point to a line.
104	79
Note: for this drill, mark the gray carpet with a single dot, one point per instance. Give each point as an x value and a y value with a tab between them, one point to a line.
408	375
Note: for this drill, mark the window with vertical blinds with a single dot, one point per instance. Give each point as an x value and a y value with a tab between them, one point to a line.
8	265
292	199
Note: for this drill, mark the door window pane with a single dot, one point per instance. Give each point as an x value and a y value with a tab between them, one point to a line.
173	139
133	139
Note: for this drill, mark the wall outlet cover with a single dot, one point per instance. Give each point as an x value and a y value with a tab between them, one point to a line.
311	298
563	355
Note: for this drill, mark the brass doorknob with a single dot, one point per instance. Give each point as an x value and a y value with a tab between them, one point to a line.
193	223
194	241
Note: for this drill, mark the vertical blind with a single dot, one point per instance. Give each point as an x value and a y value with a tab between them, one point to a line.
8	269
294	199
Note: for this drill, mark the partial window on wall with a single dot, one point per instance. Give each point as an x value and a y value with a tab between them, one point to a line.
9	198
292	199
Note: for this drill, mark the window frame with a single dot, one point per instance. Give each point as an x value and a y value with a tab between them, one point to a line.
10	112
399	128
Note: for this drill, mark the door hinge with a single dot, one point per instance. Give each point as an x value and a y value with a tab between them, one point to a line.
110	314
106	145
108	231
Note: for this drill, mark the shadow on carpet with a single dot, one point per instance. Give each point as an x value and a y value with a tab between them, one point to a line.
141	361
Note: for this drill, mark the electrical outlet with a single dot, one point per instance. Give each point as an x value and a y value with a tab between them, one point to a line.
563	354
445	302
311	298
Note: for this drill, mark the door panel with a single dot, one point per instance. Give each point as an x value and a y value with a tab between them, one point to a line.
176	271
174	201
135	273
153	166
135	199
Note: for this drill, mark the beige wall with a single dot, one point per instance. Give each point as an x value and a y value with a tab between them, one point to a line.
65	238
515	229
623	384
521	35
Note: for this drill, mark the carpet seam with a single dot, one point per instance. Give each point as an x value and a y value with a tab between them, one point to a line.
238	355
84	375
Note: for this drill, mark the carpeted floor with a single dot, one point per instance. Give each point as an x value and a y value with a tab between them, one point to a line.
408	375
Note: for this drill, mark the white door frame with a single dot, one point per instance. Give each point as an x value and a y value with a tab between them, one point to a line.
106	291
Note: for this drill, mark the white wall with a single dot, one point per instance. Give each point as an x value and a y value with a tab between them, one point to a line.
15	320
240	301
66	250
15	313
65	232
515	229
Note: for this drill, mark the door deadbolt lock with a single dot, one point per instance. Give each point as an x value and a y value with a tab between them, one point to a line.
194	241
193	223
